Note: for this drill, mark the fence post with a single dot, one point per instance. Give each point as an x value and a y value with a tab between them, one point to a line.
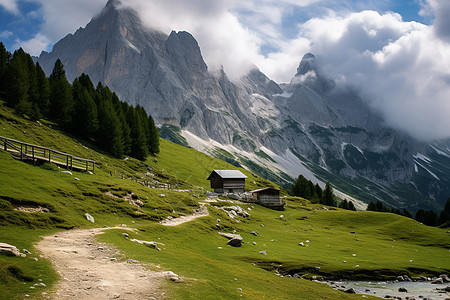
32	153
67	162
49	155
21	151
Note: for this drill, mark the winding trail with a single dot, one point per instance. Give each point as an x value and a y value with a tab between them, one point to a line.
201	212
93	270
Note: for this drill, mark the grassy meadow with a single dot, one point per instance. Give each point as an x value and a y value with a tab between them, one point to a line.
342	244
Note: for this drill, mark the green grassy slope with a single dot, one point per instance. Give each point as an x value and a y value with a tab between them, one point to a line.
384	244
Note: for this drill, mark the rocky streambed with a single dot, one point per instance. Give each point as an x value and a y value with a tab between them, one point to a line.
395	289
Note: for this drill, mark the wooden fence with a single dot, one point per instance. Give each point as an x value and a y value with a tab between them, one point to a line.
25	151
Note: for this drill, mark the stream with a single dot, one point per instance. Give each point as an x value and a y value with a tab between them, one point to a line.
417	290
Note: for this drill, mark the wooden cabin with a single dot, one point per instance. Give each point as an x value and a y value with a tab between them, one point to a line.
269	197
227	181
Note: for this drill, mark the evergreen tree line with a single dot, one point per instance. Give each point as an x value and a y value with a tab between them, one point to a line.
92	113
304	188
427	217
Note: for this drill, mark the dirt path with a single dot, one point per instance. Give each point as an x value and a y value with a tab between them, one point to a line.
202	212
92	270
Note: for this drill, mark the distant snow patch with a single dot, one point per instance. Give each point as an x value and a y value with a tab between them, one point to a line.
284	95
133	46
423	157
441	152
425	168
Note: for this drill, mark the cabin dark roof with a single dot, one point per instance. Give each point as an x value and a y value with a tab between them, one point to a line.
228	174
264	189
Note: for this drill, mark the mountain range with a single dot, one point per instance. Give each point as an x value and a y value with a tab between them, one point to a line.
310	126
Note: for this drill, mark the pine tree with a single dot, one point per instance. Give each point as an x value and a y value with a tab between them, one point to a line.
138	141
444	217
17	80
61	101
154	136
109	132
126	131
318	191
43	90
85	117
5	58
328	196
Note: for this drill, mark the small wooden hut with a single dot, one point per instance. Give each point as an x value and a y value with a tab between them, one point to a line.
269	197
227	181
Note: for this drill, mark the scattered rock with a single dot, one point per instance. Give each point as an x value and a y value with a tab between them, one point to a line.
402	290
254	233
139	203
126	235
443	276
350	291
162	195
235	242
301	244
66	172
444	290
26	251
10	250
89	217
262	225
438	281
262	252
172	276
254	243
76	178
230	235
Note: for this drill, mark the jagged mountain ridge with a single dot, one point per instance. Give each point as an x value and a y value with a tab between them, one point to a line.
308	126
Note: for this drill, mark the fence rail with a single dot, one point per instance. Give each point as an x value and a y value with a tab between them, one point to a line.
35	153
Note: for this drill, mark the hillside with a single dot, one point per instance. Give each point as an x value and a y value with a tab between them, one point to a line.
385	245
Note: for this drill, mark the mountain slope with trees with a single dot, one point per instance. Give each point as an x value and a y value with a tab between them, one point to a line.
94	114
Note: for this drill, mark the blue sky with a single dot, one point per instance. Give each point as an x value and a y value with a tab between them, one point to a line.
395	52
23	20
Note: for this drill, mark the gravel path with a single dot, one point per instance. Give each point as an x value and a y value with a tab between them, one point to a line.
201	212
92	270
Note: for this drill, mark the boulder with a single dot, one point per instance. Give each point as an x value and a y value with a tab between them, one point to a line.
262	252
254	233
350	291
438	281
10	250
444	278
231	235
402	290
235	242
89	217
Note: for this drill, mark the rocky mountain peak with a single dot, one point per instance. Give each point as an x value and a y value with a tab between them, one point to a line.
308	63
185	53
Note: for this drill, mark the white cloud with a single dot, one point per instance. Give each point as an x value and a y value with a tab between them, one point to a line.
5	34
10	6
35	45
401	68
